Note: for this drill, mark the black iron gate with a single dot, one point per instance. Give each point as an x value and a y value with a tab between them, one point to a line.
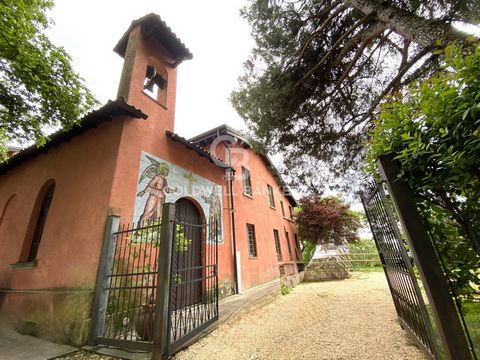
157	285
193	304
406	294
130	288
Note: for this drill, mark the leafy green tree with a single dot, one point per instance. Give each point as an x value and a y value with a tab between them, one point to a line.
38	88
320	69
363	246
365	254
433	130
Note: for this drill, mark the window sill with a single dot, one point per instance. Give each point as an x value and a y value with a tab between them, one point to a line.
24	265
273	207
252	257
155	101
285	218
248	195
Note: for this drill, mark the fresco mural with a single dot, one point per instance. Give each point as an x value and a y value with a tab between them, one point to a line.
160	181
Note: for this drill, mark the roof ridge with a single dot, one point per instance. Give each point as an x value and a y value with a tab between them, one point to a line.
157	21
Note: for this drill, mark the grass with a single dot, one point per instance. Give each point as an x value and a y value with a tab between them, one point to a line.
471	314
285	289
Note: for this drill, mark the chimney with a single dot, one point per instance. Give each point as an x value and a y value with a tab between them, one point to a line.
151	53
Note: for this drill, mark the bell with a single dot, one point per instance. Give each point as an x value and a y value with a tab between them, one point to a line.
150	72
149	85
159	80
152	78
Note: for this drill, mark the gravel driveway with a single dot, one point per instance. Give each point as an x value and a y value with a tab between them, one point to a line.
348	319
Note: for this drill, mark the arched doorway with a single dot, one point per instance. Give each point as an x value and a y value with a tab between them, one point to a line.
187	212
187	260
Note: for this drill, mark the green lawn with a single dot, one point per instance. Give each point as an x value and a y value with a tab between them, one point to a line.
471	313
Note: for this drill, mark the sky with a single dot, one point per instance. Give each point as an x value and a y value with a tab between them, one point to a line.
212	29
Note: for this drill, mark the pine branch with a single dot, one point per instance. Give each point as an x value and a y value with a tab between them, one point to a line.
348	46
320	30
322	13
403	62
392	83
428	65
342	38
369	36
333	48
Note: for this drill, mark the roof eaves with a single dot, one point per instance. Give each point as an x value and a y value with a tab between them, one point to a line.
199	150
92	120
152	24
226	129
220	130
278	177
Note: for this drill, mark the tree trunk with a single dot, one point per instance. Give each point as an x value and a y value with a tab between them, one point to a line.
412	27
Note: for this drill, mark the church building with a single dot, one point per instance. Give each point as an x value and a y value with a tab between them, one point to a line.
125	160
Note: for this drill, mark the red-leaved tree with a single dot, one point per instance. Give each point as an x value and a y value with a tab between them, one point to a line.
327	220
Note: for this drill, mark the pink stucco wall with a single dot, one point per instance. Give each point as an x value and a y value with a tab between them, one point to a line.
68	254
256	210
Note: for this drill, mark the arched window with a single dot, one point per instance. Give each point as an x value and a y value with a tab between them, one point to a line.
40	223
6	206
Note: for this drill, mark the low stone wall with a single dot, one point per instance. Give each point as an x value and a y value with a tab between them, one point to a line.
325	269
290	276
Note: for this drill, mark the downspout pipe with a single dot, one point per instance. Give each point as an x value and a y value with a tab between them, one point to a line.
232	217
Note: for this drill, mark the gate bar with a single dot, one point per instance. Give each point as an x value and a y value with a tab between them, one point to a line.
433	278
160	334
380	251
419	299
100	300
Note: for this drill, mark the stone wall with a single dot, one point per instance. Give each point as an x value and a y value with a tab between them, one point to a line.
225	288
325	269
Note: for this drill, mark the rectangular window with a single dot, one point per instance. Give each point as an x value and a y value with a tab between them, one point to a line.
290	212
283	209
288	244
297	247
271	199
278	249
247	183
252	242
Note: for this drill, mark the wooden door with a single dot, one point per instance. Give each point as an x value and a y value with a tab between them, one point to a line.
188	254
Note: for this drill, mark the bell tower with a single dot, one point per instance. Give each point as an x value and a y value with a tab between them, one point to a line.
151	53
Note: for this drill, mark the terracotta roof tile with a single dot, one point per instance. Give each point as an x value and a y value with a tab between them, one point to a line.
92	120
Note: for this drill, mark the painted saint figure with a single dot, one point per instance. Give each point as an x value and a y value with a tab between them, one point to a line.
157	188
214	215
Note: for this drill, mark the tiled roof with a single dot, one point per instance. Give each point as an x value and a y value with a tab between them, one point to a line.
199	150
153	25
208	136
93	119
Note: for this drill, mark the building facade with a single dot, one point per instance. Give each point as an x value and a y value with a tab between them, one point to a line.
125	159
